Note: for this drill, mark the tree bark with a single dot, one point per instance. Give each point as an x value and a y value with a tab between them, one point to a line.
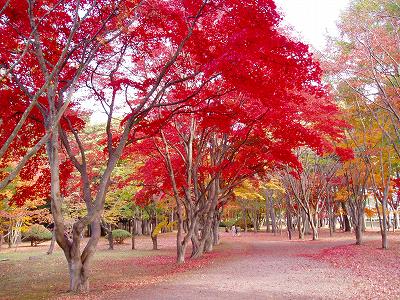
209	243
359	234
384	224
216	228
78	263
346	221
272	215
154	241
52	243
107	228
396	219
289	222
300	225
133	233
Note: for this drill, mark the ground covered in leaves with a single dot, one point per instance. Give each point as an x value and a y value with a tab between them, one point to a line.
254	266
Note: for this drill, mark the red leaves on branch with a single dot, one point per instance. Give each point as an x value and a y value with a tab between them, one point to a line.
344	154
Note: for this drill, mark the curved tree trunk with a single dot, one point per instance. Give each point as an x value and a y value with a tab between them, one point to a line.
107	228
52	244
78	263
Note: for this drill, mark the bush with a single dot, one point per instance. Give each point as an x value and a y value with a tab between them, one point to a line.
119	235
38	234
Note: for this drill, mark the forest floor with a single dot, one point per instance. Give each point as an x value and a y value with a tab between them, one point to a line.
252	266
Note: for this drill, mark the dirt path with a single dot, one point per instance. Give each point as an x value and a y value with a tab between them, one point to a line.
258	268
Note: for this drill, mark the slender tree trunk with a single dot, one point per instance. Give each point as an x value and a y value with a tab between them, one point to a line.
289	222
133	233
153	233
314	232
280	220
181	241
313	222
216	229
359	235
272	214
267	214
396	219
1	240
300	224
346	221
52	243
107	228
384	227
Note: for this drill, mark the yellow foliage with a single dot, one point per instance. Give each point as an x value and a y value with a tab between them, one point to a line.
164	223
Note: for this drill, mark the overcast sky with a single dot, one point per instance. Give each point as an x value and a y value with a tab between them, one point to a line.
312	18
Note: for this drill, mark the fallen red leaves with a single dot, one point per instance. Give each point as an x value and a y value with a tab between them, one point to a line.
378	268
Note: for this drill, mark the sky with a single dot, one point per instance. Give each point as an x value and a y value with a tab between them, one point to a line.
313	18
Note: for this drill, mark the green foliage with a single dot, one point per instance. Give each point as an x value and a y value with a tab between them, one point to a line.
119	235
38	234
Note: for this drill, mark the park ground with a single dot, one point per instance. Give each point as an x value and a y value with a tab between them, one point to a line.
249	266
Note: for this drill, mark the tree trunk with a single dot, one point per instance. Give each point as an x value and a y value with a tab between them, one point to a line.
108	229
52	243
1	239
346	221
314	232
154	241
272	214
300	225
396	219
133	233
78	263
181	241
78	276
154	234
215	230
359	234
289	224
267	215
181	250
254	219
209	243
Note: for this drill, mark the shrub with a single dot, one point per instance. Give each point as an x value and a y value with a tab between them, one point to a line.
119	235
38	234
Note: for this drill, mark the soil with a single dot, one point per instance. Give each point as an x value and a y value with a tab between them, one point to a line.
262	266
249	266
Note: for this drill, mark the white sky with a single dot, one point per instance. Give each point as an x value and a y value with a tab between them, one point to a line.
312	18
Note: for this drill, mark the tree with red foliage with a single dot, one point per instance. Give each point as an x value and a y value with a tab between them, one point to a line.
46	47
243	122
